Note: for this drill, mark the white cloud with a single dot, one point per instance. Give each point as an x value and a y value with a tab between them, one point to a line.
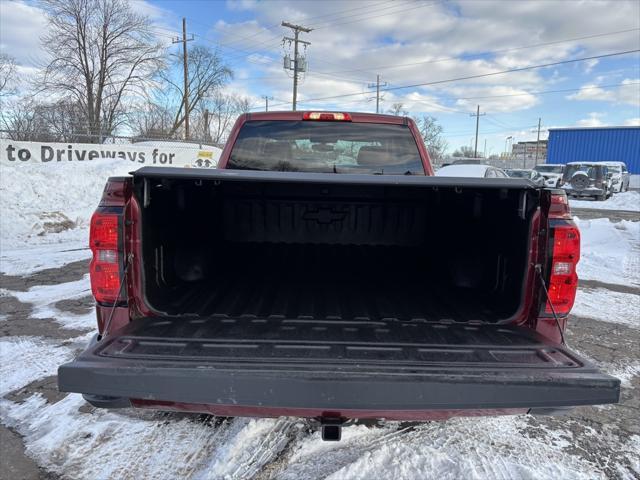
353	41
21	26
632	122
591	91
589	65
593	120
627	93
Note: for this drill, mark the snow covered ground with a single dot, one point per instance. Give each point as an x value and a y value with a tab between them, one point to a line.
629	201
69	439
610	252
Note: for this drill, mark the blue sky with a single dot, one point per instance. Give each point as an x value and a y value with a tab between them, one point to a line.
411	42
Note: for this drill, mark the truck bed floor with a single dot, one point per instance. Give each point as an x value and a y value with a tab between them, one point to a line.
310	300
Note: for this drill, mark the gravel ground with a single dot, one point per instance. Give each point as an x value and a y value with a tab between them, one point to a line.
599	436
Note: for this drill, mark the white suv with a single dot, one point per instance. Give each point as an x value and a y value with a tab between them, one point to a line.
620	176
552	174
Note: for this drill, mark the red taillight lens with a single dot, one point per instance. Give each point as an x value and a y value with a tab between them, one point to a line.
104	231
564	279
327	116
104	269
559	207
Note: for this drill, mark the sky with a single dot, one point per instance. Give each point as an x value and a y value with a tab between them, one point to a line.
410	43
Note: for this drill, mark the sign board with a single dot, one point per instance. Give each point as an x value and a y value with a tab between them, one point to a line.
163	154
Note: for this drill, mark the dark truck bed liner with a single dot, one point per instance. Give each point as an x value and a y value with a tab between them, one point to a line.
336	365
370	290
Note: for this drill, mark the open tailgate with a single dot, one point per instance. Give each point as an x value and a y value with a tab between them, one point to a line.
336	365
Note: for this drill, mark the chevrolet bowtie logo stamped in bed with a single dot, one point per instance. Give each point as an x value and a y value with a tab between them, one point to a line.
325	215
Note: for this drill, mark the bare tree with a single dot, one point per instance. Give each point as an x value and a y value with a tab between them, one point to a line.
26	119
398	110
207	73
7	74
463	151
431	132
153	120
223	110
101	53
19	120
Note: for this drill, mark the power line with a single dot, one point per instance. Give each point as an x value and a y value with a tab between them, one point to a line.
369	17
490	52
484	75
565	90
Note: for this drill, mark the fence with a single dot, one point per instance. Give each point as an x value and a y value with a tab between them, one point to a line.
80	137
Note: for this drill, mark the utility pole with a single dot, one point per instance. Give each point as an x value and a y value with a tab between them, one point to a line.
266	102
185	97
299	63
477	115
538	140
207	133
377	87
485	148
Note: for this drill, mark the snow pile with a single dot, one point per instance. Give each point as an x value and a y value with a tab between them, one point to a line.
608	306
629	201
610	252
51	203
44	297
129	444
31	259
24	360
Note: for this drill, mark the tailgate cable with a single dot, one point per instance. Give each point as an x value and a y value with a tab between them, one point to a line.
115	304
538	268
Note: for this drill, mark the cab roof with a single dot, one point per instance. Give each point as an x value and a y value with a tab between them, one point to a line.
362	117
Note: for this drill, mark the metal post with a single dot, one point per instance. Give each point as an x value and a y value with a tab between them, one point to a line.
377	87
477	115
186	79
207	133
266	102
185	96
538	140
295	71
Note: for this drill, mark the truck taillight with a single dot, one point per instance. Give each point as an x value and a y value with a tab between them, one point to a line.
564	279
559	207
104	269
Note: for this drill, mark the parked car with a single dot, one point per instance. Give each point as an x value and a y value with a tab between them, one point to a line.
322	271
468	161
552	174
587	179
620	177
471	170
532	175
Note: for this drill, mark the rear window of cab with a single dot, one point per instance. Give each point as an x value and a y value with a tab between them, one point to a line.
326	147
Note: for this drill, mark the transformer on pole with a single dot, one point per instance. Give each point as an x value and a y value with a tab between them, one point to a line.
299	62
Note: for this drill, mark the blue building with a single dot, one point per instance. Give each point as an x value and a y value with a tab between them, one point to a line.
595	144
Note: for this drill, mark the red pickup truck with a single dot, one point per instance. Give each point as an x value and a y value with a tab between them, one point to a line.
322	271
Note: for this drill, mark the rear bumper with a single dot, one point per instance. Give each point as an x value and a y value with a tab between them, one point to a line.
587	192
394	378
445	389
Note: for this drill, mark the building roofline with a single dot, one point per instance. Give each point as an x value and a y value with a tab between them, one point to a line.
619	127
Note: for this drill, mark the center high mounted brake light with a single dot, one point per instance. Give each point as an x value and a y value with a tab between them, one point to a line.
327	116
